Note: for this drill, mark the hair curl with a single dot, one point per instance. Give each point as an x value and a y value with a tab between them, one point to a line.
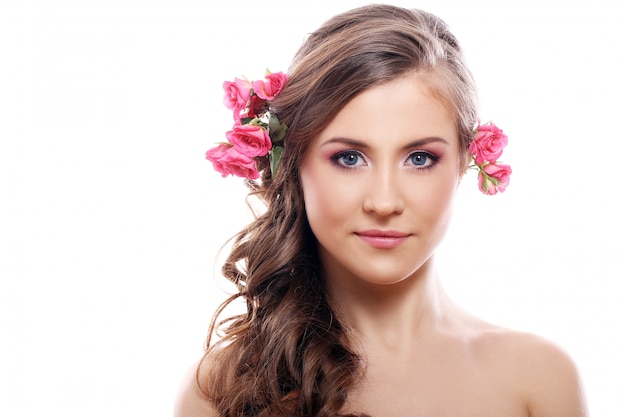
289	354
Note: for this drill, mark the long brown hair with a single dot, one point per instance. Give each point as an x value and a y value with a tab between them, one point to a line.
289	354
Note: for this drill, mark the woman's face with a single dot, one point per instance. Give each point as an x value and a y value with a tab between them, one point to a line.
379	182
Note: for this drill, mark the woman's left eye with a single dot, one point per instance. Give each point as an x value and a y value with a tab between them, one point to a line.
422	159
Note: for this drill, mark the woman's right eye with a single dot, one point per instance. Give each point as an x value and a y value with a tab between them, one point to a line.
348	159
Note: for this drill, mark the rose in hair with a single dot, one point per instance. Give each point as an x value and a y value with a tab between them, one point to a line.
494	178
228	161
272	85
488	144
236	95
250	140
256	106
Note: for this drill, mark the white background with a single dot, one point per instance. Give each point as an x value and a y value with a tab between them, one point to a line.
110	217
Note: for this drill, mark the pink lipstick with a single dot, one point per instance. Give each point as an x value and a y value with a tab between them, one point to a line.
383	239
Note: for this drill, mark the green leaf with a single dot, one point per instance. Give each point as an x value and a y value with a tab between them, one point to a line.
273	122
280	134
278	130
257	122
275	154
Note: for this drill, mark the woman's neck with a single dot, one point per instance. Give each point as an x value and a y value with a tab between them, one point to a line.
391	314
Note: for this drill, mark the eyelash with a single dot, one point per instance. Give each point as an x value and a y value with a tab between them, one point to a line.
338	156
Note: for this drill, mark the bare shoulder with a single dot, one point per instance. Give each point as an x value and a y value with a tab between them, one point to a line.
542	371
190	401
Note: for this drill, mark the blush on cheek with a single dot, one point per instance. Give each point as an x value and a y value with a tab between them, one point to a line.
313	197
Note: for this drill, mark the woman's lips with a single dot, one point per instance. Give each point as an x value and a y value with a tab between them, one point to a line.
383	239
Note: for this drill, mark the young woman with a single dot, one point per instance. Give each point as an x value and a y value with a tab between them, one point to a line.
359	151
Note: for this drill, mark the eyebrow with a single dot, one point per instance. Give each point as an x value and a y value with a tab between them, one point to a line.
413	144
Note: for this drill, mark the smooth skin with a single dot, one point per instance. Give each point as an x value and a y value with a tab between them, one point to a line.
379	184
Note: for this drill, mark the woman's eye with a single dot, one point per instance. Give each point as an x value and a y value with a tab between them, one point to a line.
422	159
348	159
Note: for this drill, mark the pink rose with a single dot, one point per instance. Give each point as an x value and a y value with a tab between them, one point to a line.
494	178
236	95
250	140
272	85
488	144
256	106
228	161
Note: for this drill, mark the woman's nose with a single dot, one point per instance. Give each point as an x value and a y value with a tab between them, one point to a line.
383	195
